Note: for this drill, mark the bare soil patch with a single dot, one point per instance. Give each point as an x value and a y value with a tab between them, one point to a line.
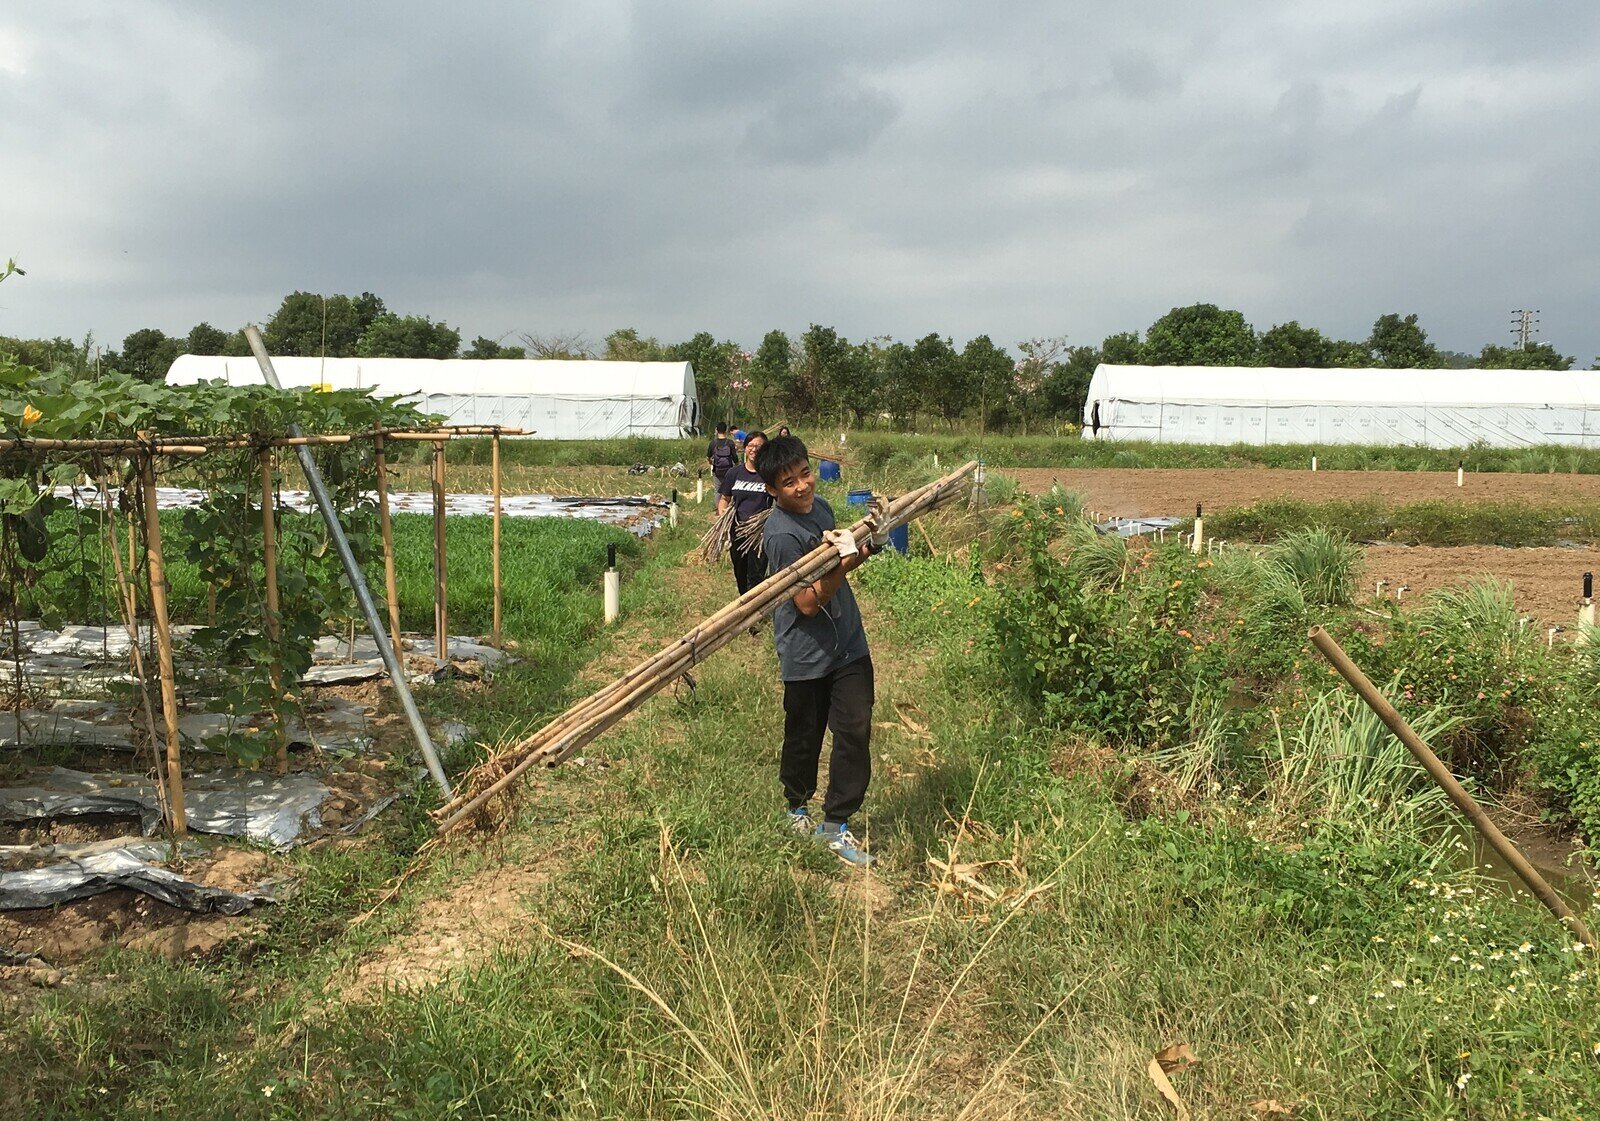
485	911
1155	492
1545	582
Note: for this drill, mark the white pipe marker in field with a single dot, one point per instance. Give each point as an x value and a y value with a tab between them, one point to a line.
1197	539
613	586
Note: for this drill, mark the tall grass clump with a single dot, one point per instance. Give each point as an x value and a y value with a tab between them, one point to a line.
1323	563
1342	768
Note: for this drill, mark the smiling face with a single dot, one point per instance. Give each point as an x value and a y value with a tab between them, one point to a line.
794	490
754	445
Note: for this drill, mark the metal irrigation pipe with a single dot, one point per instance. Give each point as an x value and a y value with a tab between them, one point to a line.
358	582
1457	793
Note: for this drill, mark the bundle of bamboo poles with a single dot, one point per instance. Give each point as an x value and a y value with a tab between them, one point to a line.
714	541
588	718
747	534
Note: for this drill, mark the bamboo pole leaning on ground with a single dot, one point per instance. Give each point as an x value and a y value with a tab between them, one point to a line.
584	721
163	634
1457	793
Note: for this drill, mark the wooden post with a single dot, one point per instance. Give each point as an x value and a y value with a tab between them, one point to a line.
494	473
269	564
441	612
158	611
1457	793
387	532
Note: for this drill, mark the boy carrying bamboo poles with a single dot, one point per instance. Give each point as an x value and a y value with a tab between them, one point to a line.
822	654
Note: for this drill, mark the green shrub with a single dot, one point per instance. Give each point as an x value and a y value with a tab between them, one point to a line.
1322	563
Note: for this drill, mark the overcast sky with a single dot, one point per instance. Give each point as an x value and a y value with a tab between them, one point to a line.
1014	168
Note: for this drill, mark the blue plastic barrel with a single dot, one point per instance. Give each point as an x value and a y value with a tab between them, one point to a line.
900	538
858	497
829	470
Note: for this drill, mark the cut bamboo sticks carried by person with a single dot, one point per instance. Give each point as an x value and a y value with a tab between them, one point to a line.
587	719
747	534
714	541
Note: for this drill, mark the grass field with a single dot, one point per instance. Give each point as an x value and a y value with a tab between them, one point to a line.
1268	883
872	451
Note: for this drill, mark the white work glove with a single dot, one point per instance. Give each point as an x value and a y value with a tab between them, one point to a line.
843	540
878	513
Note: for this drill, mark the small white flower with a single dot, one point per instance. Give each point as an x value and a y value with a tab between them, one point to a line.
1434	939
1477	965
1525	948
1461	1082
1313	998
1397	983
1455	957
266	1091
1379	938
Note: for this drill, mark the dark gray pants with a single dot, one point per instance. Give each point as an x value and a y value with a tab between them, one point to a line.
841	701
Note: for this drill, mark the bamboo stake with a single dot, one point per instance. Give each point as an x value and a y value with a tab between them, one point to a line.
158	611
494	473
1502	845
129	599
587	719
269	564
441	586
386	530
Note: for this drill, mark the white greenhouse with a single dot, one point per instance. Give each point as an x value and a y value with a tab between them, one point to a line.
1424	408
555	400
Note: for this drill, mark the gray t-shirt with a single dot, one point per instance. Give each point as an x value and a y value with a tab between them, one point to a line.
810	646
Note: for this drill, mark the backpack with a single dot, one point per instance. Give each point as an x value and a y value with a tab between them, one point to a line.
723	454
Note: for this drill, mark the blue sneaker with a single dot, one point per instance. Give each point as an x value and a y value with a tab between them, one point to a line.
800	821
837	836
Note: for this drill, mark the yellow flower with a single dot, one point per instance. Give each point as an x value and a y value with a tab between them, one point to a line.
30	416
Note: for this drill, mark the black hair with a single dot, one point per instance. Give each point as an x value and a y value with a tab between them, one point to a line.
783	430
748	436
722	429
778	455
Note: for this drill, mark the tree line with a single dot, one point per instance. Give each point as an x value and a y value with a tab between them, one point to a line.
819	374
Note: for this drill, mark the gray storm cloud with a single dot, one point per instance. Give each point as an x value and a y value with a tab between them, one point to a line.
1031	169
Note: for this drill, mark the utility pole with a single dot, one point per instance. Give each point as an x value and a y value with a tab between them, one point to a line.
1524	325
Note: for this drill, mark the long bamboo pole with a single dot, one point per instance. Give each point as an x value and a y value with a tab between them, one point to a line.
441	579
494	473
386	531
1457	793
357	579
163	634
587	719
269	565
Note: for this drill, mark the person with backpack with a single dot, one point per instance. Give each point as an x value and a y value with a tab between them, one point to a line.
722	453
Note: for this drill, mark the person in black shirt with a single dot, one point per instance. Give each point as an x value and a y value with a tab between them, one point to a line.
746	492
722	453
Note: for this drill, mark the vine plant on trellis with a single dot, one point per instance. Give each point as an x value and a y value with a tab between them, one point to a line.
54	555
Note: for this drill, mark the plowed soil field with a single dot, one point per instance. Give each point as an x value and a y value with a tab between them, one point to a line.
1546	582
1152	492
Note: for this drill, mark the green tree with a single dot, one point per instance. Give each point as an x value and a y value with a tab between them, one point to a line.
44	355
899	384
489	348
769	368
715	364
1401	344
1122	349
408	336
147	354
205	339
307	324
1536	356
856	382
1200	335
823	352
1040	357
625	345
992	375
1290	346
939	379
1066	387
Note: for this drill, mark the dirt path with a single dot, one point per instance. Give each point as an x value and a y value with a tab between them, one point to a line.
1545	582
1152	492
